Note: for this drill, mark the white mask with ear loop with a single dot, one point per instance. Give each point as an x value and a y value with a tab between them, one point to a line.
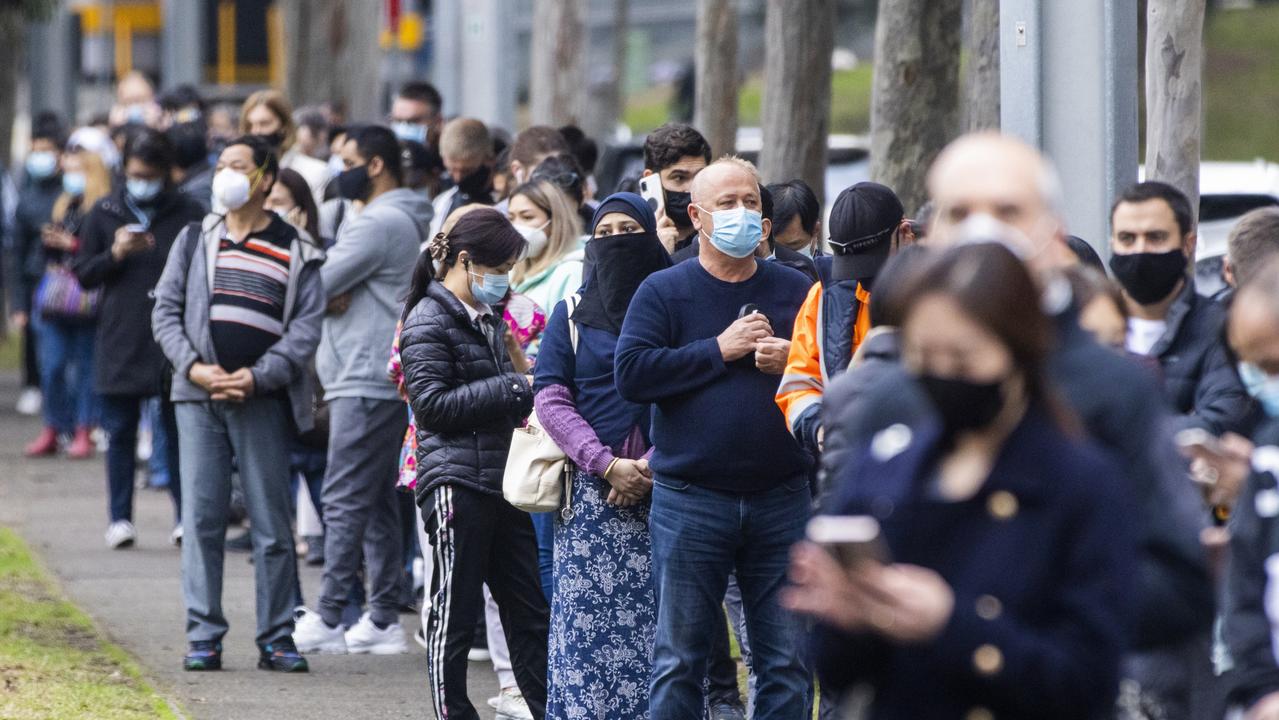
535	237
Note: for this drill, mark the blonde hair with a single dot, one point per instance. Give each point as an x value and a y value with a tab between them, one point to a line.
97	185
466	139
562	234
279	106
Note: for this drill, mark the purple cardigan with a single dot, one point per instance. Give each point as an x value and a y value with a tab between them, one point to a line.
559	417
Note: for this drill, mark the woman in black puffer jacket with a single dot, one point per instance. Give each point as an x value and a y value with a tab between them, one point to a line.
467	397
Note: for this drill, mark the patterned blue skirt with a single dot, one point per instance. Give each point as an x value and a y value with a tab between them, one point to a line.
603	615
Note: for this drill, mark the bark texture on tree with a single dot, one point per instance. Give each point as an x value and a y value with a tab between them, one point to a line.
1174	94
12	40
798	40
332	55
981	75
557	77
915	94
715	60
607	100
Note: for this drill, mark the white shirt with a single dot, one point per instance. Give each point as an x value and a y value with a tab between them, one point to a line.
1143	334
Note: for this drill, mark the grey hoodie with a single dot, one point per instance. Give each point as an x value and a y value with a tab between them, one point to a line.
373	261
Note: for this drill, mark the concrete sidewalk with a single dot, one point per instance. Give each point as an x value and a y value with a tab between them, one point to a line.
59	507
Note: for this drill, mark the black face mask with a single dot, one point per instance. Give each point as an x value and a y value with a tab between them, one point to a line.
677	208
275	139
353	183
963	405
477	183
1149	277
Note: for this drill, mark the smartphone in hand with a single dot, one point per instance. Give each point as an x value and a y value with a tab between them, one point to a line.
852	539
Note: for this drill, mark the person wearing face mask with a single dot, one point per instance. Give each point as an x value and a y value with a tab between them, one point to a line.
237	314
1153	247
606	438
269	115
1249	469
124	242
730	489
986	186
26	256
676	153
368	269
467	151
797	217
867	225
416	114
552	269
65	315
467	397
1037	626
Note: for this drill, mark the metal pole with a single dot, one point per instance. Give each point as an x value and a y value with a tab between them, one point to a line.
1069	86
51	65
182	45
489	90
446	55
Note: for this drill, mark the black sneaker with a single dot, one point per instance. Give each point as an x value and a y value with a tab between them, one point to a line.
282	655
203	655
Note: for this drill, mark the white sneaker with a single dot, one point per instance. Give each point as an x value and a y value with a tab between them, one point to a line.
30	401
175	537
312	635
121	534
510	705
365	637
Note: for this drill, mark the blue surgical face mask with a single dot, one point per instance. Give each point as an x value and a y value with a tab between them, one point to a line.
42	164
410	131
737	231
143	190
491	288
1262	386
73	183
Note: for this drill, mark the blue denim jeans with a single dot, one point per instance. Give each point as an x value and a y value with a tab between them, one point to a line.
66	374
120	417
700	536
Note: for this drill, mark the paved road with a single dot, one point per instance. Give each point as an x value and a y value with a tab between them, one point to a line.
59	507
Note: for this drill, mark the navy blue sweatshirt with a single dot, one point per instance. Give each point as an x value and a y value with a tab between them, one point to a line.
714	424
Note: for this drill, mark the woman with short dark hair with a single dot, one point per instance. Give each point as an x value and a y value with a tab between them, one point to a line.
1002	569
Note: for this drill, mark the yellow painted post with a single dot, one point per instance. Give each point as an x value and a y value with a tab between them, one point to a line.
226	42
277	59
123	39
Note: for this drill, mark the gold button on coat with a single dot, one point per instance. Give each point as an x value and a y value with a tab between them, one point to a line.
989	607
988	660
1002	505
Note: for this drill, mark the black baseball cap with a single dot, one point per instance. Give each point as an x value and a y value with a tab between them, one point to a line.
862	222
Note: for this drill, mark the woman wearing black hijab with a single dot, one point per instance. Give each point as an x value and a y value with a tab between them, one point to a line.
603	615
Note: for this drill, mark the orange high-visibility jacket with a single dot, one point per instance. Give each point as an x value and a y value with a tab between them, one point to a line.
805	377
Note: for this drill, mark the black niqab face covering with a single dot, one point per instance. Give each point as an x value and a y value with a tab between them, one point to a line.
621	264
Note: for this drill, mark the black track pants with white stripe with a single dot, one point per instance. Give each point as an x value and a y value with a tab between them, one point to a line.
478	538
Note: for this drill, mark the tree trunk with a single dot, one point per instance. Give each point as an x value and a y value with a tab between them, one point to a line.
798	40
1174	94
607	97
715	59
981	82
558	71
12	35
915	94
333	55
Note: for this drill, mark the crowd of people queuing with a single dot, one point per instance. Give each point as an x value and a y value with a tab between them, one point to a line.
921	465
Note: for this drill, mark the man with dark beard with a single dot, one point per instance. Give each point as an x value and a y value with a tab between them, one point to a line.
675	152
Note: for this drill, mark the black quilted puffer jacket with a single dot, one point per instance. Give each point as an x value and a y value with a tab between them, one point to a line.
465	395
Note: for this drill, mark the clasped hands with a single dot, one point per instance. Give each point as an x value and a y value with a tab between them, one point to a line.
222	385
631	481
754	334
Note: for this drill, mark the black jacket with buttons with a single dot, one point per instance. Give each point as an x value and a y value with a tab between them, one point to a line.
1041	561
464	392
1200	379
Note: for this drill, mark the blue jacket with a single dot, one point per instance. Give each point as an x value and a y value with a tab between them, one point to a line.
1041	561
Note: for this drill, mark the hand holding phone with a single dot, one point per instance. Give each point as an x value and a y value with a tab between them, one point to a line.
851	539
